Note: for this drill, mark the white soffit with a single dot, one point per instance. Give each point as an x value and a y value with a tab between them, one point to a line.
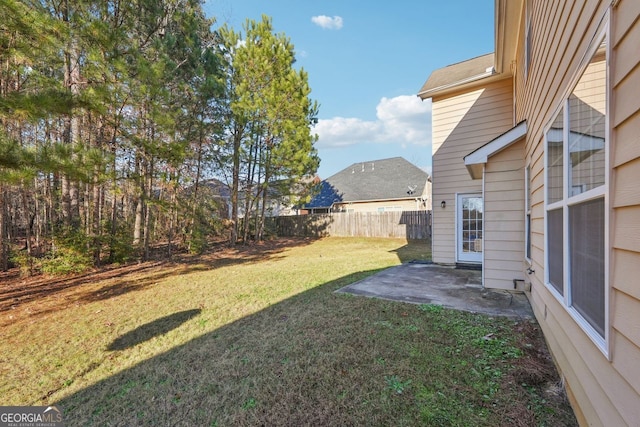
476	160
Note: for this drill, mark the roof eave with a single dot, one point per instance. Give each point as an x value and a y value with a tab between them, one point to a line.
507	26
475	170
415	196
485	78
476	160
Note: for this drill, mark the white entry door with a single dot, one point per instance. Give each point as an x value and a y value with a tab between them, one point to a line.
469	209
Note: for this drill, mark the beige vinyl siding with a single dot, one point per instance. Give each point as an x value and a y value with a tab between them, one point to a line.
504	218
461	123
382	206
604	391
625	154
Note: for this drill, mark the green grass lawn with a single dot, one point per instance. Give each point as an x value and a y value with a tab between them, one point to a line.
256	336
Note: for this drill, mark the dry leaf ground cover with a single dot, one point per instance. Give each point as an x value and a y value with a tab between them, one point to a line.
256	336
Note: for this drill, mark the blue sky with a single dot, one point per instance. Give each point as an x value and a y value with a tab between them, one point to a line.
366	62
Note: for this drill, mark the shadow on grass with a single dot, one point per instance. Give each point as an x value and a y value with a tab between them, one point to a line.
18	292
414	250
217	378
316	358
41	286
152	329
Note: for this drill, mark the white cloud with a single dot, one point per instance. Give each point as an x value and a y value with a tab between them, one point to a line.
403	120
342	131
406	118
327	22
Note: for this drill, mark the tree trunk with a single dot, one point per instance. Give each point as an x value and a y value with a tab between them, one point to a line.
114	205
95	217
49	216
84	210
51	192
70	208
265	194
252	161
173	211
28	243
97	201
4	243
65	200
137	225
235	185
36	214
265	199
147	211
196	187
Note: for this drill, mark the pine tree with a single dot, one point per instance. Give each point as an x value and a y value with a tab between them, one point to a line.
272	98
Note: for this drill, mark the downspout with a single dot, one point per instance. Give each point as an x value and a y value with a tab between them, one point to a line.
514	69
500	11
484	231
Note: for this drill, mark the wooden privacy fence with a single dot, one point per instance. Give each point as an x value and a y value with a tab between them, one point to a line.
408	224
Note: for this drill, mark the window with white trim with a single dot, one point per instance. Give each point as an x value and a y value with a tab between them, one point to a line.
576	191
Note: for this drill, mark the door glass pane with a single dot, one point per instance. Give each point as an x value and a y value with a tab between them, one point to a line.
555	255
472	224
555	149
586	239
587	108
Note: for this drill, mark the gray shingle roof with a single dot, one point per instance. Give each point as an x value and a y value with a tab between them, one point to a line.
459	72
385	179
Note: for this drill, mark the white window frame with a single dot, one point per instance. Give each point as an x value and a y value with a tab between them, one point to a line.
458	231
568	200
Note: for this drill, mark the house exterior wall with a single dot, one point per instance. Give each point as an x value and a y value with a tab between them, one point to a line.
504	218
419	202
460	124
381	206
604	388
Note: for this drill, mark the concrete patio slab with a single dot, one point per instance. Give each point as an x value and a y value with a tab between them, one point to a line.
447	286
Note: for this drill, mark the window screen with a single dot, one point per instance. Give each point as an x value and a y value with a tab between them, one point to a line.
556	256
586	240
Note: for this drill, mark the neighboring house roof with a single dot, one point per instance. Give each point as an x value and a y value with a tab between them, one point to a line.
386	179
456	74
327	196
218	187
